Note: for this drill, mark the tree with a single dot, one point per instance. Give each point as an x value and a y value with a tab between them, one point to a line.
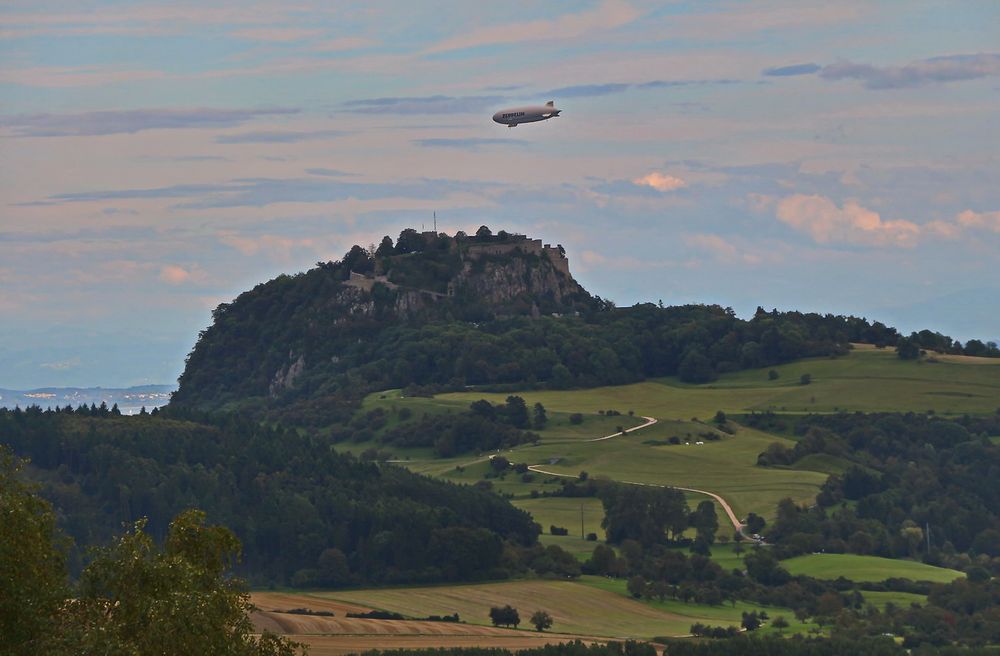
410	241
772	374
636	586
907	348
516	412
484	233
780	623
755	523
32	562
805	379
705	522
541	620
505	615
136	599
540	418
695	367
751	621
385	248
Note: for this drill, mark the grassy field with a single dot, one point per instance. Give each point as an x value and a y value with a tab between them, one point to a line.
722	615
576	607
566	512
900	599
868	379
866	568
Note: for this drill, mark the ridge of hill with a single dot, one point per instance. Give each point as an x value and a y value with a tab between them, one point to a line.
432	313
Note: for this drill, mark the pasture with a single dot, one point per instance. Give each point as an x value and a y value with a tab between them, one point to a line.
899	599
866	568
722	615
867	380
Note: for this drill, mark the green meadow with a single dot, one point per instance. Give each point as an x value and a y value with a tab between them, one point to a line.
866	568
867	380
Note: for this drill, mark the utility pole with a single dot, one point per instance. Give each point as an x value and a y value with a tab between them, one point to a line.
581	521
927	530
435	221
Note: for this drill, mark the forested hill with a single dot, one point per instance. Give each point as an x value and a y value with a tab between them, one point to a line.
437	312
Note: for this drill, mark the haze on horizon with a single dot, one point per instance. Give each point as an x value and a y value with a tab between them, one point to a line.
158	159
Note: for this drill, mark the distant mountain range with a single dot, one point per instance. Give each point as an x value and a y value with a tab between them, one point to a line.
129	399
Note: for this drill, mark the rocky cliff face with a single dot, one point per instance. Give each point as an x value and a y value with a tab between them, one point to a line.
503	281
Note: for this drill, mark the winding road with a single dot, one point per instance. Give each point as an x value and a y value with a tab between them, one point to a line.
649	422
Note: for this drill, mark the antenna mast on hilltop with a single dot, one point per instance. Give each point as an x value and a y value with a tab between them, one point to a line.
435	221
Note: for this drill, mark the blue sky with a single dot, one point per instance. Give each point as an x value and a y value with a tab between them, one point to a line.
157	159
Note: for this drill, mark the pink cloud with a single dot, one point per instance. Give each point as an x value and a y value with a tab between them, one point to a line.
276	34
174	275
660	181
608	15
985	220
821	219
344	43
721	249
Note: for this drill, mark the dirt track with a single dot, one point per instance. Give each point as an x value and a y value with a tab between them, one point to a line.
649	422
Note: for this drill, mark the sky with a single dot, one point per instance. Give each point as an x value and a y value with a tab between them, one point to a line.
156	159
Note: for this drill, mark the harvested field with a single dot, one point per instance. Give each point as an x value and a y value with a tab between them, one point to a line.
339	634
340	645
575	608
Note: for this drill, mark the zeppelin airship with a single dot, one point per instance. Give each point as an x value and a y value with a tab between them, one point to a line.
515	115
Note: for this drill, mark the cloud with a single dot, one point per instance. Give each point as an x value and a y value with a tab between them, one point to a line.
660	182
986	220
131	121
608	88
821	219
344	43
927	71
62	365
259	192
610	14
174	275
329	173
422	105
277	136
720	248
794	69
276	34
584	90
468	144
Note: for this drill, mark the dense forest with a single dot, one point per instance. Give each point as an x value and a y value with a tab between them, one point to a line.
306	515
905	474
303	349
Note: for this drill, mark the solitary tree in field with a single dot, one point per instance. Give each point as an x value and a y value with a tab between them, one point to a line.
541	620
780	623
540	418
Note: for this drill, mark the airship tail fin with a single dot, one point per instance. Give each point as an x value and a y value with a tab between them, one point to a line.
550	103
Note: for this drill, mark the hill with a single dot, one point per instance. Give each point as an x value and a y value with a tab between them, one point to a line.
435	313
